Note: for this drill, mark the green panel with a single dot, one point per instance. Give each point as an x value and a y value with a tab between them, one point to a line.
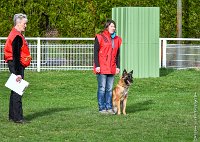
139	29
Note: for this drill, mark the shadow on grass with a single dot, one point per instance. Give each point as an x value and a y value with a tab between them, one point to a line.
46	112
166	71
141	106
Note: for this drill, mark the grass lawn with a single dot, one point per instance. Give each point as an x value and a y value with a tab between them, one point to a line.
62	106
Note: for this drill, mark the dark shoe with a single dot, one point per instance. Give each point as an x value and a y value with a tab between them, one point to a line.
10	120
22	121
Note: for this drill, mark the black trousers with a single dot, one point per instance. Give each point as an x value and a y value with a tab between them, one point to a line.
15	105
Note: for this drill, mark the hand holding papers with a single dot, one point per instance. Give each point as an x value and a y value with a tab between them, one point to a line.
17	86
19	77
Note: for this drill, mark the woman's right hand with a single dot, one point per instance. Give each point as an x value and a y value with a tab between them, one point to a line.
98	69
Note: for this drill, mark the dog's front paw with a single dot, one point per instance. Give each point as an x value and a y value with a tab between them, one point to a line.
115	110
124	113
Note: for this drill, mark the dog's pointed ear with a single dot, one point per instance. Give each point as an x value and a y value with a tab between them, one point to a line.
131	72
124	72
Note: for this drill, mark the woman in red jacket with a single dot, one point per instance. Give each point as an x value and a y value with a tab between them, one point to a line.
17	55
106	64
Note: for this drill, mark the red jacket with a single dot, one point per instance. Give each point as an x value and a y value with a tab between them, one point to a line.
107	54
25	57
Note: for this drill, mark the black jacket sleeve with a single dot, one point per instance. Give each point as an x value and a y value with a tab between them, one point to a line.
118	59
16	49
96	52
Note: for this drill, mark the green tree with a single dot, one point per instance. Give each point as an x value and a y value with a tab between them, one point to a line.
85	18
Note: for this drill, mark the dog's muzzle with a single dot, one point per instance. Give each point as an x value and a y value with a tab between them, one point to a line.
128	82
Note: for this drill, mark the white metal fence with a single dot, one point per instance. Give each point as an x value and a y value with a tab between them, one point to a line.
180	53
57	53
77	53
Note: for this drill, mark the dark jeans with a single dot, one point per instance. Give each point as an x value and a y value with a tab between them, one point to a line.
15	105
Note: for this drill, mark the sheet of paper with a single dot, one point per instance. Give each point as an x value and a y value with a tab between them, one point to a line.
18	87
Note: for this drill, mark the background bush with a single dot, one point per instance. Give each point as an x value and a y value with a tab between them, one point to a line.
85	18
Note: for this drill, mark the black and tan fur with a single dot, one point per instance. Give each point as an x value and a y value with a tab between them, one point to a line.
120	92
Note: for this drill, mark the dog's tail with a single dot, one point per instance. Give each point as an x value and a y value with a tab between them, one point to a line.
114	106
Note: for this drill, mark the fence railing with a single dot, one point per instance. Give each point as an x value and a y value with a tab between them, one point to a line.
180	53
77	53
57	53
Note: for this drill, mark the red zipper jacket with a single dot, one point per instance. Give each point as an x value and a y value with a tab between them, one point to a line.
107	52
25	57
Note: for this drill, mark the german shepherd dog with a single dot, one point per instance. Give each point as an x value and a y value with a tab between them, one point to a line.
120	92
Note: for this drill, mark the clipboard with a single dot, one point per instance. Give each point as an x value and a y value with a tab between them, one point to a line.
18	87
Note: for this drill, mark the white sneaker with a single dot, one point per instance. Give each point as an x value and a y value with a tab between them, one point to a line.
110	111
103	112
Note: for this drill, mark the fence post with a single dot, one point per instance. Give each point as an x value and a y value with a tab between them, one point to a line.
160	52
38	54
164	53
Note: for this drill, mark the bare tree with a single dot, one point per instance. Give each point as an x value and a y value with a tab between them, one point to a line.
179	32
179	18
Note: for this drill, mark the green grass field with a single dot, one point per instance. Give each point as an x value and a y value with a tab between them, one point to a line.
62	106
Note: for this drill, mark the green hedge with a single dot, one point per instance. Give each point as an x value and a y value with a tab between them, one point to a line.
85	18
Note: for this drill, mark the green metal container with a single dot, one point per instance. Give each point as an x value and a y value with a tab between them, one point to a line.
139	29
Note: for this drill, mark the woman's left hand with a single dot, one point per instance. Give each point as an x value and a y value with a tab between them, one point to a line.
117	70
19	78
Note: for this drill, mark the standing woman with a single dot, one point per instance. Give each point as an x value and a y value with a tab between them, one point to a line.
106	64
17	55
